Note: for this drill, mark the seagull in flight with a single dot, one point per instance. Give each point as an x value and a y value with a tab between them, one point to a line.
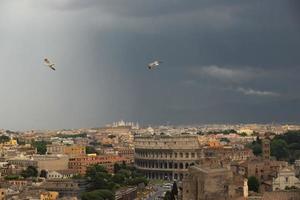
154	64
49	64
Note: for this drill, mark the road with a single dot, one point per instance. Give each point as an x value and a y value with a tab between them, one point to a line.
159	191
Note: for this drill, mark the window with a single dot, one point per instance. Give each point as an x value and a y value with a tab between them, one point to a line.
186	155
286	179
181	166
193	155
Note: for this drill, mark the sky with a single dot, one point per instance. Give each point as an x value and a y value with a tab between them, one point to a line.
223	62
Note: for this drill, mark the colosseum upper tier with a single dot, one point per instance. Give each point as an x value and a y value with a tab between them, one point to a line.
166	157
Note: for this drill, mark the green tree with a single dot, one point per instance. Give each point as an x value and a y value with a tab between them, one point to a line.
31	171
4	138
117	168
168	196
98	195
290	137
119	178
12	177
294	146
123	165
90	150
225	140
226	132
41	146
92	170
126	173
77	176
43	173
136	181
95	143
243	134
256	147
253	184
174	190
279	149
99	178
258	140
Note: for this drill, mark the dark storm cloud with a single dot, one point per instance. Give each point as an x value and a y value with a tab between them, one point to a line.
224	61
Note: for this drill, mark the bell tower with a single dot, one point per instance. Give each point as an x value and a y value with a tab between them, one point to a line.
266	149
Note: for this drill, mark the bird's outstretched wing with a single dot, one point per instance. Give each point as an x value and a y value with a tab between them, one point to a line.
154	64
51	66
157	62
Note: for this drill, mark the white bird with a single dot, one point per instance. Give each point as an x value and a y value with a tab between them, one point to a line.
154	64
49	64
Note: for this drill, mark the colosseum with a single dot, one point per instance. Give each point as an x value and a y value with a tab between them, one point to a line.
166	157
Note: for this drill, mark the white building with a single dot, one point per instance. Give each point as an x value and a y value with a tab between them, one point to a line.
61	174
285	178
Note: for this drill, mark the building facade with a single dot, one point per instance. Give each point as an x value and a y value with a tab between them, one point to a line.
231	153
66	187
70	150
285	179
61	174
166	157
80	164
207	183
51	162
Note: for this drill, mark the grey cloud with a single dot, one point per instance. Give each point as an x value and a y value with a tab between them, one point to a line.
102	47
225	73
250	91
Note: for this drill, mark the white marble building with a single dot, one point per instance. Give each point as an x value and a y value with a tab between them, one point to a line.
285	178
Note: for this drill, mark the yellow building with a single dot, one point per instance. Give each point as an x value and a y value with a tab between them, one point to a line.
74	150
11	142
246	130
49	196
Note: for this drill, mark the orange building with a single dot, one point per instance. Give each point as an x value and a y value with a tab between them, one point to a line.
71	150
81	163
126	152
49	196
214	144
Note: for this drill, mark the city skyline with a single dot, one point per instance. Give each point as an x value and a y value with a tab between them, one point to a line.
223	62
